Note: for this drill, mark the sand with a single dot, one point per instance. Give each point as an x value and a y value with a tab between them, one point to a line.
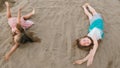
58	23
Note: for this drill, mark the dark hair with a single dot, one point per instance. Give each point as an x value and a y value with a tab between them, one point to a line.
18	26
85	47
24	38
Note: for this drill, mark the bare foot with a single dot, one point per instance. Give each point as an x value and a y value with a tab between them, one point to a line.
86	4
33	11
6	3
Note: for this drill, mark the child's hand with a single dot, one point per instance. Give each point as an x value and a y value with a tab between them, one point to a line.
6	57
78	62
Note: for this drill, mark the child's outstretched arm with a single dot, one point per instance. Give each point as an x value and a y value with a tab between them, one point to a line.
7	56
92	53
84	59
13	48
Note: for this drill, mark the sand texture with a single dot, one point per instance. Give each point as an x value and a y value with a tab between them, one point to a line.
58	23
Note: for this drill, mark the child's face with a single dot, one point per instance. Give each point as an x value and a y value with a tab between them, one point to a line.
85	41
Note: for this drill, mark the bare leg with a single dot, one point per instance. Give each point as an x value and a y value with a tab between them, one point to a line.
87	12
29	15
92	10
19	16
8	10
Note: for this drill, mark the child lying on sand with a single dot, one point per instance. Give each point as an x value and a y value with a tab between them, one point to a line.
18	26
94	35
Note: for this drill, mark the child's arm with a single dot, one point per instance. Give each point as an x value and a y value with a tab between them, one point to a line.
11	52
84	59
12	49
92	53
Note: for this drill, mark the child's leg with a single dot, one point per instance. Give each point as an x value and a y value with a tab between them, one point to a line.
8	10
87	12
29	15
19	16
92	10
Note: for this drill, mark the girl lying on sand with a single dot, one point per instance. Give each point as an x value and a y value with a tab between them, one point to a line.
95	33
18	25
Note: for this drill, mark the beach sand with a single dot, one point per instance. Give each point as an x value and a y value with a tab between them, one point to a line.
58	23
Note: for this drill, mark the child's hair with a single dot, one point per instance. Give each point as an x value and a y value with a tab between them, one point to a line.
85	47
24	38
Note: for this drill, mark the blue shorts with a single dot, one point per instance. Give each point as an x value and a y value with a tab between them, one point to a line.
97	21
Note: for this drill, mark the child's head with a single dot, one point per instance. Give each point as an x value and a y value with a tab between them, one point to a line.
85	42
21	36
19	28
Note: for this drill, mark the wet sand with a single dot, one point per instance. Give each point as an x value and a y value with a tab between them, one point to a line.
59	23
